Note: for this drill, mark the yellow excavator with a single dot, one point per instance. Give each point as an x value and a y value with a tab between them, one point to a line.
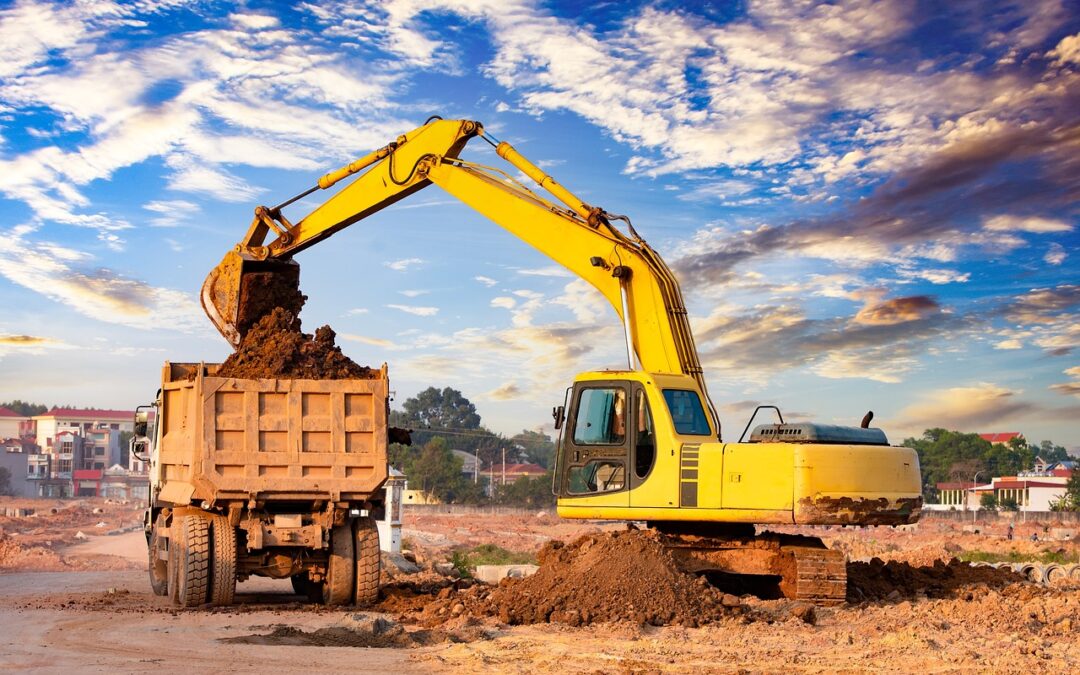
636	444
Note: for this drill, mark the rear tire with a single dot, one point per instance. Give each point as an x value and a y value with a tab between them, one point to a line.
223	561
159	569
341	568
191	537
368	562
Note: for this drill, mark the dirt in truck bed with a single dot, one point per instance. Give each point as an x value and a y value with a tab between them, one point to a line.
275	347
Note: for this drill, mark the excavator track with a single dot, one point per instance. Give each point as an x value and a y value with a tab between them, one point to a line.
791	566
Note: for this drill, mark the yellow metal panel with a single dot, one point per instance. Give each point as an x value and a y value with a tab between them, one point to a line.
758	476
588	511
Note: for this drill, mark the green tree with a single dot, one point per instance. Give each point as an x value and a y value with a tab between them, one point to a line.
435	470
1053	453
537	446
527	492
25	408
988	501
943	453
441	409
1071	499
1009	504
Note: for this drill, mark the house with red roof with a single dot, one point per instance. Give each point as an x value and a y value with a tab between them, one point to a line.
14	425
1002	437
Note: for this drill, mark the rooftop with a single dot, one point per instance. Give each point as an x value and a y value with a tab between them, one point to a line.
8	412
1001	436
90	414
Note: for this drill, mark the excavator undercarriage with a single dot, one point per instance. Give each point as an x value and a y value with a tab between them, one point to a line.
769	564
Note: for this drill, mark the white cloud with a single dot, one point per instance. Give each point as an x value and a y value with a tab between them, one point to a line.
487	281
416	311
1055	255
404	264
415	293
552	271
356	311
504	302
1033	224
101	294
373	341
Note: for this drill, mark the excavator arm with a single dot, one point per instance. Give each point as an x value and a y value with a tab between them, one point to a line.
577	235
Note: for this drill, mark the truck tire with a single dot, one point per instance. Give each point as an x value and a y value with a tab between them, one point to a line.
191	539
341	568
223	561
159	569
368	562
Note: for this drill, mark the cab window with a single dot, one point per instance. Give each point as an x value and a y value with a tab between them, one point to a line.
600	418
686	412
645	440
602	475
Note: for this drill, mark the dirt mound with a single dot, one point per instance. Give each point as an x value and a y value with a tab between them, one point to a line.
275	347
16	556
599	578
880	580
360	630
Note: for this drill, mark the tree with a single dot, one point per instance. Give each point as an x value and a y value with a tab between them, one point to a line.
1071	499
445	409
528	492
25	408
435	471
989	501
1009	504
1053	453
537	445
5	481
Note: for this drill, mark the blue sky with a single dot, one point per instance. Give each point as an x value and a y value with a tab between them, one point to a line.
871	205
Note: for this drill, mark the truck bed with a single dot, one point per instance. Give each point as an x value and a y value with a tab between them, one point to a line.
270	439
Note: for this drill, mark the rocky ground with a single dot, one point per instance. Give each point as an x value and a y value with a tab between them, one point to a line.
917	610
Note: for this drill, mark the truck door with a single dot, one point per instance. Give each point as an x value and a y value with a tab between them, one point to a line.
595	453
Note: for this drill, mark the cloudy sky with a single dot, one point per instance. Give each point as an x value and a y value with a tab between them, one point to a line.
871	205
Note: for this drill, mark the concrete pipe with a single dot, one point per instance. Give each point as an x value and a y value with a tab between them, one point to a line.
1033	572
981	563
1074	572
1053	573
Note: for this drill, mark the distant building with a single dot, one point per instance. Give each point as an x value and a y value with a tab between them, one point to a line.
14	425
49	424
15	462
78	451
514	471
1031	490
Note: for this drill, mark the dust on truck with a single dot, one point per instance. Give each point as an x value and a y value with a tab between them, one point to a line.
279	478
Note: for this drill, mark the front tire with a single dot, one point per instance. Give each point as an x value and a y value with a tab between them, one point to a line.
158	568
191	557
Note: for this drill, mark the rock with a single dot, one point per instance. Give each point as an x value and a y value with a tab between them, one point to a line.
396	562
373	624
457	609
101	524
409	555
97	510
730	600
80	535
110	591
493	574
805	612
444	568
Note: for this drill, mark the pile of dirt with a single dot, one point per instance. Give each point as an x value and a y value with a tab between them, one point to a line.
599	578
275	347
893	580
16	556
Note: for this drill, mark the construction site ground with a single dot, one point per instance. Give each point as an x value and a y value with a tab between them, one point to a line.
83	602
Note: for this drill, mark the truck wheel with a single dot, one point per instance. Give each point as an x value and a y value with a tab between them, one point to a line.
159	569
191	537
341	568
367	561
223	560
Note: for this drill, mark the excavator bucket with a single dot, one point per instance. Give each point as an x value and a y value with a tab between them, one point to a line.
239	291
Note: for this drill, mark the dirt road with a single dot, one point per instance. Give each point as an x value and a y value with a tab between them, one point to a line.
97	621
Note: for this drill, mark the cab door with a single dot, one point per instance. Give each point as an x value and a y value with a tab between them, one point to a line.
594	458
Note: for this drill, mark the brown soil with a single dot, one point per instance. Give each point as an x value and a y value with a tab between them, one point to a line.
275	347
879	580
599	578
261	292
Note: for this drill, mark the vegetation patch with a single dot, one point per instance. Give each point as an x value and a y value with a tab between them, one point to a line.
466	560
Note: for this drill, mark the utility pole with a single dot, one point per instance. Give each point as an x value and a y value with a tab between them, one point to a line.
504	467
974	507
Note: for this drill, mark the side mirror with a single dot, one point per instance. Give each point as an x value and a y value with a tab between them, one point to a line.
559	413
140	446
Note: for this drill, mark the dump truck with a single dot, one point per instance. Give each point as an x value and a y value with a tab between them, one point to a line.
277	478
639	442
